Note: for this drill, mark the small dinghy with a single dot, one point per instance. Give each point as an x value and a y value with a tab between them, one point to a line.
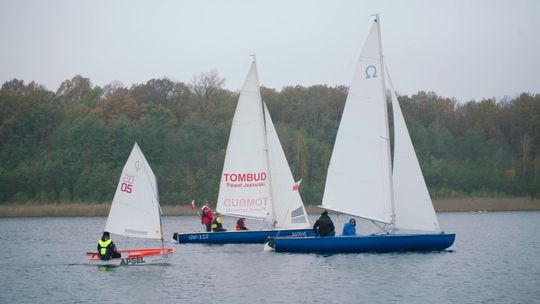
135	212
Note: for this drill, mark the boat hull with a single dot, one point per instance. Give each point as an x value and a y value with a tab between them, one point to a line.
237	237
370	243
132	257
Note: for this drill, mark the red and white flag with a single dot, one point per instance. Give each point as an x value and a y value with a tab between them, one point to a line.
296	185
192	205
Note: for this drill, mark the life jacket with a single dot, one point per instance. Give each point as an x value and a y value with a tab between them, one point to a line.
103	246
240	226
217	223
206	215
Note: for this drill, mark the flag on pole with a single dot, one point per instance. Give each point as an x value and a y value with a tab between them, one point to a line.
192	205
296	185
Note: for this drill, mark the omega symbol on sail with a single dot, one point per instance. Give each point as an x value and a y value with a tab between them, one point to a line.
371	71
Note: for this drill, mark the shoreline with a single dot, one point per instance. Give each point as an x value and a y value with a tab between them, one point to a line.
95	209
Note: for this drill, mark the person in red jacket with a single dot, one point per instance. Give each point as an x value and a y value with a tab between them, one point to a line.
241	224
206	216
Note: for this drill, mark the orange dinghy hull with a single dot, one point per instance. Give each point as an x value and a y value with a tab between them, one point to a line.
131	257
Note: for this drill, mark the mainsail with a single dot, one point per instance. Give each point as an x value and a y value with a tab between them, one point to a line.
256	180
358	180
135	210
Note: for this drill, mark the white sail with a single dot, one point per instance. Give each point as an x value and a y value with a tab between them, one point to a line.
257	181
135	210
245	185
358	179
413	206
288	207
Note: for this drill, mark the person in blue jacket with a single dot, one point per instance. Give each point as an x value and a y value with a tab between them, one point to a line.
349	228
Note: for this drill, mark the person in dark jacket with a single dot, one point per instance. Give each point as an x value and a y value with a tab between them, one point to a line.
349	228
324	225
106	248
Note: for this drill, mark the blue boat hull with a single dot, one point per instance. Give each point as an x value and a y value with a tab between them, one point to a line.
369	243
237	237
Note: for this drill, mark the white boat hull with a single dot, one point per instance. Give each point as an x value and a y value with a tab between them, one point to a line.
132	257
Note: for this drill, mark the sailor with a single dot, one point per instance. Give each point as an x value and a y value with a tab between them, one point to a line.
217	224
324	225
106	248
206	216
349	228
241	224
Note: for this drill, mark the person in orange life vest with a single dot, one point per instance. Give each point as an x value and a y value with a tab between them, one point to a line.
217	224
206	216
241	224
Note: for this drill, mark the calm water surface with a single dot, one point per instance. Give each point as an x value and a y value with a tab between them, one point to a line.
495	259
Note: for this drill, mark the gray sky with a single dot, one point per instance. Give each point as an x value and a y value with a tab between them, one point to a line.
462	48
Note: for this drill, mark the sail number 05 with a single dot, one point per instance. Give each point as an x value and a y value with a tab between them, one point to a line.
127	183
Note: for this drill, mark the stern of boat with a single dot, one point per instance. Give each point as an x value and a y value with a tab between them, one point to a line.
269	244
174	238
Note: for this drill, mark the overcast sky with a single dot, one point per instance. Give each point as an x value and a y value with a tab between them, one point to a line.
462	48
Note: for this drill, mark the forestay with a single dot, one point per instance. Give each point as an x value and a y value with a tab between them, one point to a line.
288	206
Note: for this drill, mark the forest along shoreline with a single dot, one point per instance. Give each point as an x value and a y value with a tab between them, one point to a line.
441	205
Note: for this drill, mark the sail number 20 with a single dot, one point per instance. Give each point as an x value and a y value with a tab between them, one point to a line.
127	183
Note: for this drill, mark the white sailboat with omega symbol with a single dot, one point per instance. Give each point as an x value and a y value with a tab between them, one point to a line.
363	181
256	182
135	212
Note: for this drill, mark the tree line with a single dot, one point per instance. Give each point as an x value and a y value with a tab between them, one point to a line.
70	145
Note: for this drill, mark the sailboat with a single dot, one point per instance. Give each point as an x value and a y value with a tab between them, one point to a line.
256	182
135	212
361	180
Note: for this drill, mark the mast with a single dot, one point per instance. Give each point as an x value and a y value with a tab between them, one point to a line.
297	154
266	150
160	213
156	196
268	166
393	208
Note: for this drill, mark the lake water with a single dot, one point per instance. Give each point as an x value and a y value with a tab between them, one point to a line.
495	259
